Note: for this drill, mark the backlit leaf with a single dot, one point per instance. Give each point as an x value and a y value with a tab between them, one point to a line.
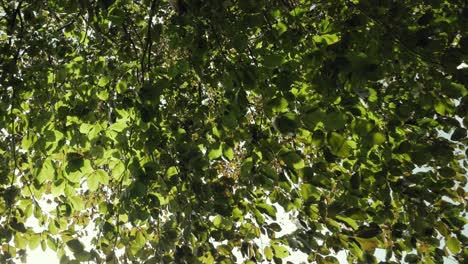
280	251
93	182
215	152
47	171
268	252
453	245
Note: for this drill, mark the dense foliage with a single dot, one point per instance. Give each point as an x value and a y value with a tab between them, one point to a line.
178	132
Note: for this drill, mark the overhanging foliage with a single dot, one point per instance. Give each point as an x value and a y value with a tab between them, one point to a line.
179	131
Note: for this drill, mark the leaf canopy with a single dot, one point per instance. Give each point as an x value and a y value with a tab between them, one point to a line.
179	130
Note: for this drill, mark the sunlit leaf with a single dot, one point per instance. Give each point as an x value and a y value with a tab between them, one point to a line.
453	245
47	171
280	251
171	171
268	252
268	209
34	241
228	152
93	182
215	152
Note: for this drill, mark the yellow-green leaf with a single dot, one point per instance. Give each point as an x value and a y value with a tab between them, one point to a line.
268	252
171	171
228	153
34	241
215	152
46	172
349	221
453	245
93	182
280	251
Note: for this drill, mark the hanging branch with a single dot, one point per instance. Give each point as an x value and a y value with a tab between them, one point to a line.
135	49
147	47
12	24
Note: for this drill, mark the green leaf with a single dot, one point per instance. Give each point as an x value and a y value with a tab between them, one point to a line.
103	81
85	128
293	160
440	108
339	145
171	171
328	39
286	123
102	176
118	127
309	192
267	209
103	95
93	182
318	138
46	172
54	227
247	167
237	214
229	121
118	170
362	126
217	220
278	104
51	243
121	87
336	141
64	209
215	152
348	221
455	90
75	246
273	60
140	239
77	203
34	241
447	172
20	241
453	245
268	253
269	172
335	120
162	200
258	216
224	250
43	245
368	244
459	134
331	260
10	194
281	28
228	152
275	227
76	169
280	251
411	258
378	138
